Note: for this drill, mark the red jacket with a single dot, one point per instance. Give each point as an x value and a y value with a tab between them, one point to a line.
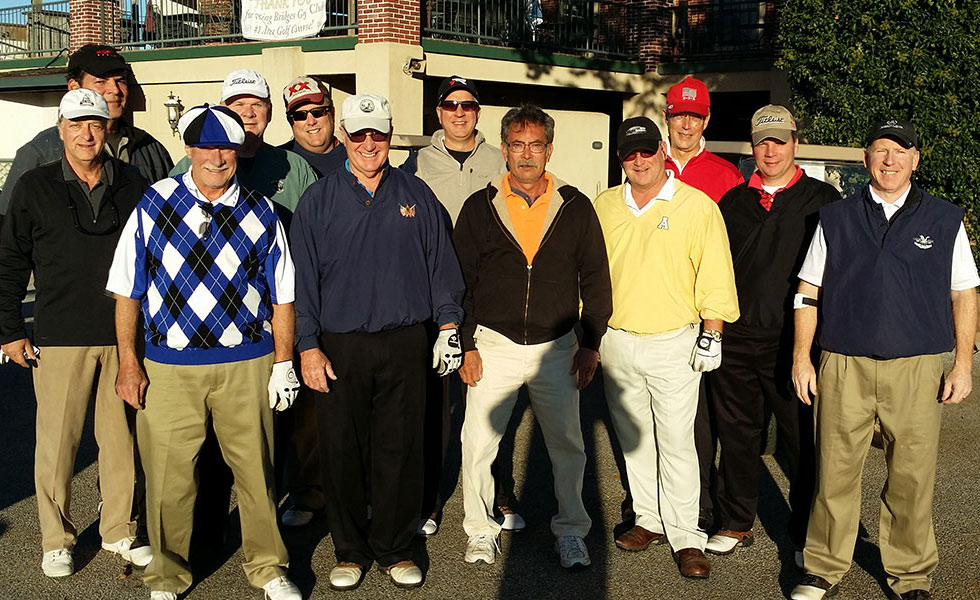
708	172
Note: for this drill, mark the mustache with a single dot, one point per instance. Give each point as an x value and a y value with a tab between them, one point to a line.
528	163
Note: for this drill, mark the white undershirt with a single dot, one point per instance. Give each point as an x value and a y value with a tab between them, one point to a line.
964	271
666	193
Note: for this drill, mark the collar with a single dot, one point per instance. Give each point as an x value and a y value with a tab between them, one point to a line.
702	145
666	193
384	175
755	181
229	198
506	190
105	175
897	204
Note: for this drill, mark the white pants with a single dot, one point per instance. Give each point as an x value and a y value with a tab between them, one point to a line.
652	393
555	402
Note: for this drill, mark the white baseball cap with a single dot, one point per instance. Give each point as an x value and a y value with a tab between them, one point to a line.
244	82
366	111
83	103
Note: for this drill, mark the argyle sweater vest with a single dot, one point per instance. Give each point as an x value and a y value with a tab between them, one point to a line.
207	294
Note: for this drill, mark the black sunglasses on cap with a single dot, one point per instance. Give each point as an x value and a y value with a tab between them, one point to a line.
466	105
300	115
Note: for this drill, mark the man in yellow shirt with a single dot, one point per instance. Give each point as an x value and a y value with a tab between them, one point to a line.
671	272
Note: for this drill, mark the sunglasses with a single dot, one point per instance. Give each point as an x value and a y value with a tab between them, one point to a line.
466	105
300	115
80	221
207	211
644	153
360	136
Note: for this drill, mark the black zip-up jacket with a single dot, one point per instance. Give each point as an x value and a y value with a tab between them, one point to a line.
536	303
70	267
768	248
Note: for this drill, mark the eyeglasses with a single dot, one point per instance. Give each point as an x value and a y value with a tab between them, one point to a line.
360	136
207	211
644	153
300	115
110	228
518	147
466	105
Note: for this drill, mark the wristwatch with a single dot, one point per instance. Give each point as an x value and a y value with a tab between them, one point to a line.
715	335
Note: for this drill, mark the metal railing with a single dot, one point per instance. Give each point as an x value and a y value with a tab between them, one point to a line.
149	24
39	29
723	29
591	28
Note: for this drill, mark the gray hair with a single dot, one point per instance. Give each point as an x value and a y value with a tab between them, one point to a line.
524	115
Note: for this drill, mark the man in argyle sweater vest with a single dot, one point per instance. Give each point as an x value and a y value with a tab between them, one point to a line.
206	262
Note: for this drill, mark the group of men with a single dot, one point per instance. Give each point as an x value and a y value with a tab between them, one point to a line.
318	276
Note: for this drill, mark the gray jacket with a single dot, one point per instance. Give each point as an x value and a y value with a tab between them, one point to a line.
453	183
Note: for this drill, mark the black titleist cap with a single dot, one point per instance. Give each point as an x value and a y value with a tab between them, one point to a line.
901	131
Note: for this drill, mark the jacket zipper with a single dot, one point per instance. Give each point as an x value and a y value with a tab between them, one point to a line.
527	295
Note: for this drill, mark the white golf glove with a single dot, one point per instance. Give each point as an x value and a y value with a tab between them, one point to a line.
283	385
446	353
707	351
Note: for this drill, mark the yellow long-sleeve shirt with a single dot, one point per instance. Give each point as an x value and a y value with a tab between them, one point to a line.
671	265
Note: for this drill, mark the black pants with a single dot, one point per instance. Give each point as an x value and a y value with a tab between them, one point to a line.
370	427
705	443
755	375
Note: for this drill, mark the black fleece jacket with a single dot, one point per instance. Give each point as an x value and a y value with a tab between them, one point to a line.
768	247
70	267
536	303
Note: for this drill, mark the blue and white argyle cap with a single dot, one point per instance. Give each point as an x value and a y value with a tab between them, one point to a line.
211	125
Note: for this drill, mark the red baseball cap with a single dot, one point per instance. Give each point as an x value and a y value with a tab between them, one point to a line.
688	96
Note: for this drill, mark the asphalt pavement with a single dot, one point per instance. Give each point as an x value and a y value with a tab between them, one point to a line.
528	568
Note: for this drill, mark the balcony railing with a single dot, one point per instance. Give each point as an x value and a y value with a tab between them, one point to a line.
722	29
33	31
593	29
151	24
41	29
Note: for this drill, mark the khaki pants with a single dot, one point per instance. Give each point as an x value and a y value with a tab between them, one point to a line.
652	393
555	402
171	430
903	393
63	382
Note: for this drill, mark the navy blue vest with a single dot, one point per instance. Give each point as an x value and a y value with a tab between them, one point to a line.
886	286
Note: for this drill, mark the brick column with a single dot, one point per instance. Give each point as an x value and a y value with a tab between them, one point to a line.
220	14
85	22
396	21
653	31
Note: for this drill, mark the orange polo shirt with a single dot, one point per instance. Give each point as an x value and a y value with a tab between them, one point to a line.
528	220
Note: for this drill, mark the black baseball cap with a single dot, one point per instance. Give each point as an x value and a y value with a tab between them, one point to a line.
97	60
637	133
901	131
456	83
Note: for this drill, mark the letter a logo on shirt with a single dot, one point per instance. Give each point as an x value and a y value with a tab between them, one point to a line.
663	224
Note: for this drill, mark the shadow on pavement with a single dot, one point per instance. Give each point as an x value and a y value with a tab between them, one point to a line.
538	505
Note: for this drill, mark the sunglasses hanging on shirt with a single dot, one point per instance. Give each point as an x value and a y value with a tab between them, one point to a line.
80	221
207	211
